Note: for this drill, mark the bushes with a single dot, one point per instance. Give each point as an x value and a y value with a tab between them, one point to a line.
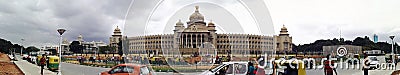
98	65
162	69
169	69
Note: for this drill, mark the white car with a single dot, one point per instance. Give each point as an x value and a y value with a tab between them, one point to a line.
25	57
373	62
228	68
33	59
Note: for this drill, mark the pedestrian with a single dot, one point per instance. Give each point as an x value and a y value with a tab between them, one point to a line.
251	69
328	66
42	63
366	64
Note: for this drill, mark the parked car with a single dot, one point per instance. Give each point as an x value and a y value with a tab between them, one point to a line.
25	57
128	69
235	68
33	59
374	62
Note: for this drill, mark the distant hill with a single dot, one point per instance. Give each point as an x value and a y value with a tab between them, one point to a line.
365	42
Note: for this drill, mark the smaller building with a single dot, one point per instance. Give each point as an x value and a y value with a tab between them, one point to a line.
283	41
90	47
374	52
50	49
346	50
65	47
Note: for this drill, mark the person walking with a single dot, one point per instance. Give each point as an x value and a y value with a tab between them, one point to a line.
366	64
251	69
329	66
42	63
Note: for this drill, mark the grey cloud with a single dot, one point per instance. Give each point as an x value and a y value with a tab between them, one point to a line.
37	22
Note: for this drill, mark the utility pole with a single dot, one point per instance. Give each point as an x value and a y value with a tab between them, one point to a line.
61	32
22	47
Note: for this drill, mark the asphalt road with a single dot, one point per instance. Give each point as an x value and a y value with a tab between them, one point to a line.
74	69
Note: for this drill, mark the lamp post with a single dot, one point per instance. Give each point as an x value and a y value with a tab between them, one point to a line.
392	37
22	47
60	31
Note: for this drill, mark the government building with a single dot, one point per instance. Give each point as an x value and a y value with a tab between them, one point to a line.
189	37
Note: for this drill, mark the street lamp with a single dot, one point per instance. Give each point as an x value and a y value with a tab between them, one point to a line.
22	47
392	37
61	32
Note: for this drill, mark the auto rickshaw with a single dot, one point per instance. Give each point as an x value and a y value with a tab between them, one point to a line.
53	62
158	60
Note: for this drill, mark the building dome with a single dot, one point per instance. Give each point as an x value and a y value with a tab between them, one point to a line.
283	28
80	36
284	31
179	23
117	29
211	23
196	16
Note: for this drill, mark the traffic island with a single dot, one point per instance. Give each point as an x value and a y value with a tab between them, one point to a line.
7	67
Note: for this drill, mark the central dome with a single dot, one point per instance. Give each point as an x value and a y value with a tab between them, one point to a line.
196	16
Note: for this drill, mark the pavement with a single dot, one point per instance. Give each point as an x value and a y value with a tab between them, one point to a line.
31	69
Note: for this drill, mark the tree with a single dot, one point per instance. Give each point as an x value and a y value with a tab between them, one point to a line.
103	49
75	47
365	42
120	50
31	49
17	48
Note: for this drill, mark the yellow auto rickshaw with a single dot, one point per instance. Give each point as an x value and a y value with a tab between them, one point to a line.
53	62
157	60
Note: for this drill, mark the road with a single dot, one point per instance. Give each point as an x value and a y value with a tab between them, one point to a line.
74	69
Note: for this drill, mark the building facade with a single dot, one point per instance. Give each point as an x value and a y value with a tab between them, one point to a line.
90	46
189	38
115	38
283	41
65	46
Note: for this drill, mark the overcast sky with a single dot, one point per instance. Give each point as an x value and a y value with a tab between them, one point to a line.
36	21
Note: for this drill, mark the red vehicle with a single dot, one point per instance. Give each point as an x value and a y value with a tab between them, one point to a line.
128	69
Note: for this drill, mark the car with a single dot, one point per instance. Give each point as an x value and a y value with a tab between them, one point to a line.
374	62
25	57
33	59
232	68
228	68
128	69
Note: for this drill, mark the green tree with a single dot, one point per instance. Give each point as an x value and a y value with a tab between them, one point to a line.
31	49
75	47
103	49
